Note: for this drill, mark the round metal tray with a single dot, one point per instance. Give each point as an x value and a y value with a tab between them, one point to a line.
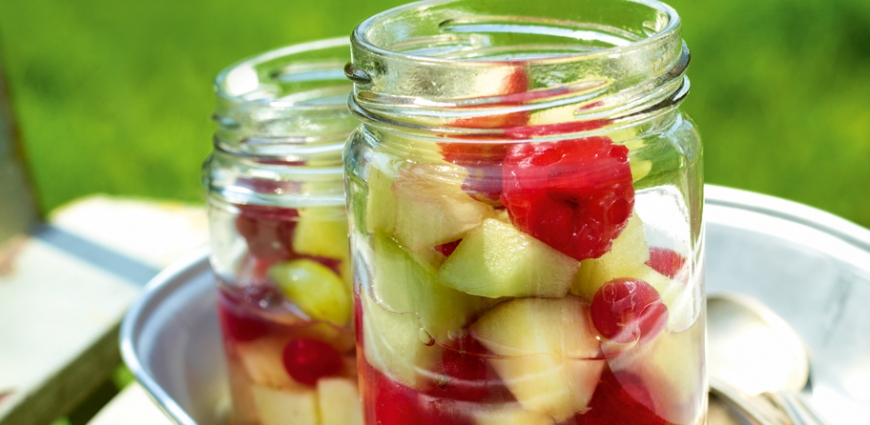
809	266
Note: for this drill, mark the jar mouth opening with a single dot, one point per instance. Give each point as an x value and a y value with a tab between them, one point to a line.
306	76
475	33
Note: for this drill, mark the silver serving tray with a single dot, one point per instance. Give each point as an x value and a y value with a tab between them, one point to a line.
809	266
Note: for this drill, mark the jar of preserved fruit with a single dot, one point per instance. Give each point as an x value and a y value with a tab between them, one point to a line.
525	202
278	229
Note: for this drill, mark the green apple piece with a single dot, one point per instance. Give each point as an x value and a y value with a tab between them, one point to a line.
405	282
498	260
282	407
339	402
672	368
315	289
431	207
393	343
512	415
640	168
321	232
545	350
381	203
627	255
261	361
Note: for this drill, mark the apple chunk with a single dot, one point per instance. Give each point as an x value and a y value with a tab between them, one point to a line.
339	402
281	407
431	208
546	352
321	232
406	283
671	367
392	343
512	415
498	260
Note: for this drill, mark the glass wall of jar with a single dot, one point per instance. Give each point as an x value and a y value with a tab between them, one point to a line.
525	200
278	231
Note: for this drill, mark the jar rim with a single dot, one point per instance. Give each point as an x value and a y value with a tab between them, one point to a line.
360	37
239	79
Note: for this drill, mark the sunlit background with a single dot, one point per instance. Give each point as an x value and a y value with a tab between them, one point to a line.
115	97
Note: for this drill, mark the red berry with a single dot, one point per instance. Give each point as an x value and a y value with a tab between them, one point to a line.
626	310
267	230
575	195
665	261
529	131
307	360
447	248
620	399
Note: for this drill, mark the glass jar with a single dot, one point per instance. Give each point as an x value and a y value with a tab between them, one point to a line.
525	198
278	230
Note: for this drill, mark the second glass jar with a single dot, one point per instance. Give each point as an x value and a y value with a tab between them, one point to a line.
278	232
525	202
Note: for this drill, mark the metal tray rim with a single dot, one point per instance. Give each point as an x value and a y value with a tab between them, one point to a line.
168	279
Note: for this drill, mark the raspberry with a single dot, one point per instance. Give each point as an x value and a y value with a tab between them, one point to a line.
307	360
665	261
620	398
626	310
575	195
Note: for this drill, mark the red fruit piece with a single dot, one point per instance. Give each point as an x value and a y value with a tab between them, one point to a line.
619	399
267	230
307	360
386	402
464	374
529	131
626	310
575	195
237	325
447	248
665	261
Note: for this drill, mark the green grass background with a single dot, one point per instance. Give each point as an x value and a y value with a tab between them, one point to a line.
114	97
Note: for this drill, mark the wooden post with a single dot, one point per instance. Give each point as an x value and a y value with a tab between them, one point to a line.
17	207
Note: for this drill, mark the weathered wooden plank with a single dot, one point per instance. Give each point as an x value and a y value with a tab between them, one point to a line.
64	290
131	407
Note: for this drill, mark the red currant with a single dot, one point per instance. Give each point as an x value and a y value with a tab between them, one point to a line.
626	310
665	261
575	195
307	360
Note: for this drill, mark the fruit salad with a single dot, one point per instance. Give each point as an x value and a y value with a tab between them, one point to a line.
517	283
286	317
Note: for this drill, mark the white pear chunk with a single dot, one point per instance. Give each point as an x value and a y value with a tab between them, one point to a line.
672	368
431	207
339	402
282	407
262	362
513	415
393	343
546	351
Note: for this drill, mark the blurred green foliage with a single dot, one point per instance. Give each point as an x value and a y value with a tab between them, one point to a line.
115	97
